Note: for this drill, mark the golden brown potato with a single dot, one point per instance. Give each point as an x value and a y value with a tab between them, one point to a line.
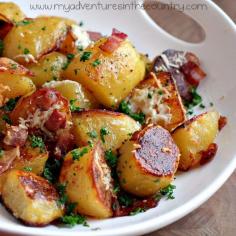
110	77
74	92
148	161
158	99
26	43
31	198
14	80
195	138
111	128
88	181
48	68
11	12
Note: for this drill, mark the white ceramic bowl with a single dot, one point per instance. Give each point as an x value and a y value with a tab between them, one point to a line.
218	55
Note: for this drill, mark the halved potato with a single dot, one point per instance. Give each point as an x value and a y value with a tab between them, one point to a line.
28	42
111	128
148	161
88	181
195	138
10	13
48	68
14	80
158	99
110	77
75	92
31	198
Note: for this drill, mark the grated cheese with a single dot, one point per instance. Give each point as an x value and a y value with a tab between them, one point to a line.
81	35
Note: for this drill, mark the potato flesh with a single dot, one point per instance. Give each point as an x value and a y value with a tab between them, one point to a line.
148	161
16	85
85	183
112	80
119	126
34	204
32	40
74	91
196	137
48	68
11	12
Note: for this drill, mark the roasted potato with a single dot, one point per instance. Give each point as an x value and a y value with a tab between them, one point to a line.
111	128
48	68
195	138
148	161
110	77
158	99
10	13
88	181
27	43
30	198
74	92
14	80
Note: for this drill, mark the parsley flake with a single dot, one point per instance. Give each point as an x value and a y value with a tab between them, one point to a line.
10	105
73	107
85	56
103	133
137	211
111	158
97	62
92	134
26	51
28	168
37	142
7	119
77	153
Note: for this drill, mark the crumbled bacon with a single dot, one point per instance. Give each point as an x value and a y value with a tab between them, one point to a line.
113	42
15	136
46	98
94	36
56	121
222	122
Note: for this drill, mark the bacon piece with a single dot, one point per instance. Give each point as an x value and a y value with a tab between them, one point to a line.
94	36
15	136
193	73
114	41
222	122
56	121
7	158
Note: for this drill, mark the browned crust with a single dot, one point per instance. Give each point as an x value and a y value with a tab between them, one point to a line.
188	122
37	187
104	196
222	122
156	153
100	112
5	25
208	154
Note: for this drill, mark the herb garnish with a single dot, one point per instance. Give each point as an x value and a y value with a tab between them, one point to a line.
97	62
77	154
167	192
26	51
103	132
43	28
111	158
23	22
10	105
137	211
92	134
125	108
37	142
73	107
7	119
85	56
28	168
70	56
1	47
52	170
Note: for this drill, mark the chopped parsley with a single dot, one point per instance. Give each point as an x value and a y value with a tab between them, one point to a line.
74	219
37	142
1	47
10	105
202	106
97	62
1	152
26	51
81	23
73	107
80	48
65	65
52	170
125	200
27	168
125	108
23	22
77	154
43	28
166	192
70	56
137	211
111	158
211	104
149	96
7	119
85	56
92	134
103	132
61	188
